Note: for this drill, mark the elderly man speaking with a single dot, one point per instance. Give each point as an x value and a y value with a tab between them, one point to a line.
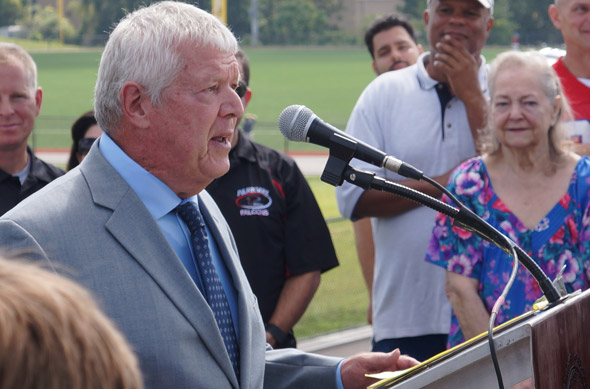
134	224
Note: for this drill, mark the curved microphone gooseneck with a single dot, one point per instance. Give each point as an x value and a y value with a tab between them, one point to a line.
298	123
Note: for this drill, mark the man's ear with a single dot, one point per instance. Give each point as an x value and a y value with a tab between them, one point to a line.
490	25
554	16
38	101
136	104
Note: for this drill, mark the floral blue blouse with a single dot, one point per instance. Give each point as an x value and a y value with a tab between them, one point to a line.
560	238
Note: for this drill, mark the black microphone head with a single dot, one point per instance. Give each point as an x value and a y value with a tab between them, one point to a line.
294	122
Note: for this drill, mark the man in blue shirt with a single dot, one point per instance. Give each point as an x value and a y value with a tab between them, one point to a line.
134	225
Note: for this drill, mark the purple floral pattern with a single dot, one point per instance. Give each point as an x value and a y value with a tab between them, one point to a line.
561	238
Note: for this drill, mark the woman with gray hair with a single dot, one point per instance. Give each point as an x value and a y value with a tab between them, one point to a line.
529	186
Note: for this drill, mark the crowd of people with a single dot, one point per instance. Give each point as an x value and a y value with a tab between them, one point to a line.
521	142
171	253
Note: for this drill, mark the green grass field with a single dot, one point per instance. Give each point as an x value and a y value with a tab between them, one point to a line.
327	80
342	297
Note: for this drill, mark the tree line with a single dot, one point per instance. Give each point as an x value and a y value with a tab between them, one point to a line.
281	22
527	19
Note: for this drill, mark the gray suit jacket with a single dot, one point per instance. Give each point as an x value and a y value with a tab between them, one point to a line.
91	226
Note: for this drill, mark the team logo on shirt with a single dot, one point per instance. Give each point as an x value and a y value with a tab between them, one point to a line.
253	201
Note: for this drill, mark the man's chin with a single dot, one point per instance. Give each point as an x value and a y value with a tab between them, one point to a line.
220	170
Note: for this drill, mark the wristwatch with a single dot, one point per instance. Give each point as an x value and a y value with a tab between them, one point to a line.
276	333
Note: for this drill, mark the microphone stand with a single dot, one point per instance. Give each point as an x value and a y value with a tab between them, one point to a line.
338	169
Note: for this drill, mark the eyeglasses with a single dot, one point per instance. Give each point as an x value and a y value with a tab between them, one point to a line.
241	89
84	145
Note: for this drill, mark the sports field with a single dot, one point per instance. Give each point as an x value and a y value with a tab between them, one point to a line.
327	80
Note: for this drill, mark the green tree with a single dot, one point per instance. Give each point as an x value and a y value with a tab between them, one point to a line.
10	12
503	29
413	9
87	22
106	14
238	19
298	22
280	21
531	21
44	23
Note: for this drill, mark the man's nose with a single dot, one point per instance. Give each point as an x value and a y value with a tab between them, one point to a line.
457	18
5	107
233	105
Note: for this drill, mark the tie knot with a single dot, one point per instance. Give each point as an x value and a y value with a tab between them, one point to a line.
191	216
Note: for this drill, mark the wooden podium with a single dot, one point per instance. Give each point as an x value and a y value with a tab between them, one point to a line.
552	346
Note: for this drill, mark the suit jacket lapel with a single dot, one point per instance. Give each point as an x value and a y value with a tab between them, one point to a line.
134	228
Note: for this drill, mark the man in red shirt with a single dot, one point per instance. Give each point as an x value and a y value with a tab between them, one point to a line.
572	18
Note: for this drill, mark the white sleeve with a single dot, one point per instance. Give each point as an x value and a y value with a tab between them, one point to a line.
363	125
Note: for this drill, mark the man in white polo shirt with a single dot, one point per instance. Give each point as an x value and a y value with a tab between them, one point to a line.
427	115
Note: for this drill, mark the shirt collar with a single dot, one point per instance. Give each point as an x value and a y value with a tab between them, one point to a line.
426	82
22	175
244	149
158	198
31	168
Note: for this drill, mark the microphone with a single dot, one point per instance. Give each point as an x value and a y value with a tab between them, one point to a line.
299	124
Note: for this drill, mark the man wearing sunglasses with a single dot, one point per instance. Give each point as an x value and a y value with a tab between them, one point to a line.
274	217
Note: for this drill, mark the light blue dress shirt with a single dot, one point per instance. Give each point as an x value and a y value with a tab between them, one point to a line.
161	201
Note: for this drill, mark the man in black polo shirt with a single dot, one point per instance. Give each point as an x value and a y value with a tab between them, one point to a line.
282	238
21	173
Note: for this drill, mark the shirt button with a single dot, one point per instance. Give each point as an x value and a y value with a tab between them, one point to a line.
449	125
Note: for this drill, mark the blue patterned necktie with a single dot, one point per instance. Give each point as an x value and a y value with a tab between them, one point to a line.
214	292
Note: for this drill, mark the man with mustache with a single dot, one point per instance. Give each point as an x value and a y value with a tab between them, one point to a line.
392	44
428	115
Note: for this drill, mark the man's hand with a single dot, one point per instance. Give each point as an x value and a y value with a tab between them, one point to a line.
458	66
354	368
271	340
460	69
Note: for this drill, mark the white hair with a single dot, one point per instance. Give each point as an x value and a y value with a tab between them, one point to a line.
144	48
549	82
11	54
